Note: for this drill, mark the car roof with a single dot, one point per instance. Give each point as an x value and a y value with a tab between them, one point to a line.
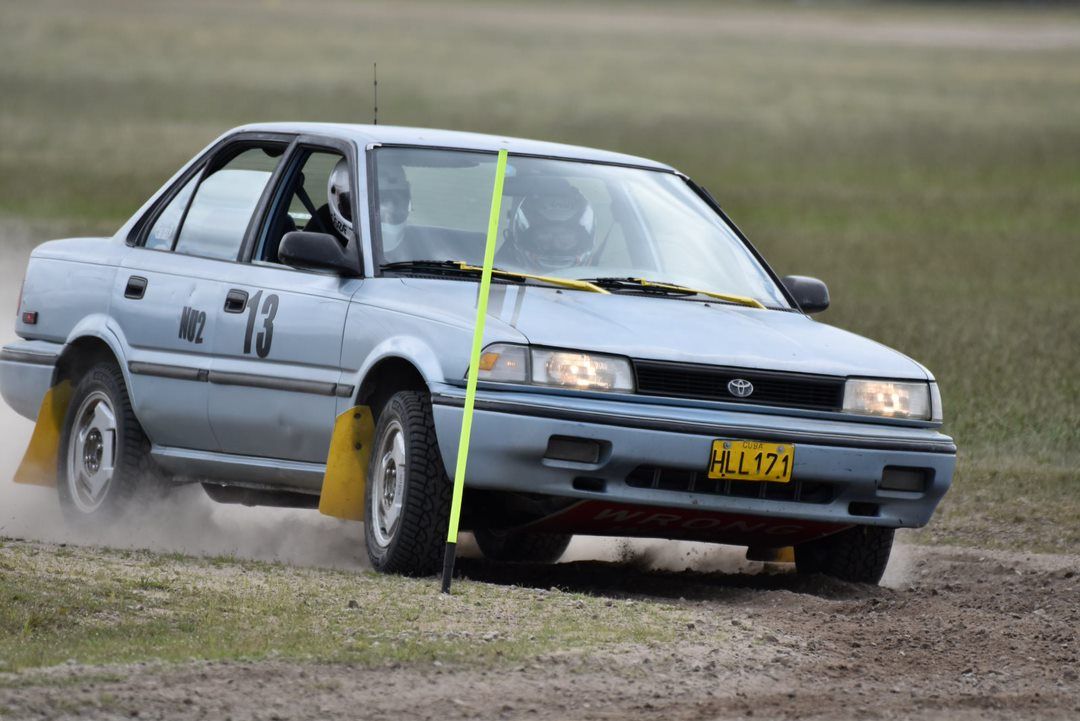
365	135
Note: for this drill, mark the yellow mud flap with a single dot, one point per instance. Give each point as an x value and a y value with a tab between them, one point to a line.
771	555
38	467
347	464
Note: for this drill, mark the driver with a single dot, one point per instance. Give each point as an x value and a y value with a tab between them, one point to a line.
551	229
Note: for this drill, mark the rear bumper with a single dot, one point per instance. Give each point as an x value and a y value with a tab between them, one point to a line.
26	372
511	431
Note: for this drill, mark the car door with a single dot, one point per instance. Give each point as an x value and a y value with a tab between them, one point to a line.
171	283
276	369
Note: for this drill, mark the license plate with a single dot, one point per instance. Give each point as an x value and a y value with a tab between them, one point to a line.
751	461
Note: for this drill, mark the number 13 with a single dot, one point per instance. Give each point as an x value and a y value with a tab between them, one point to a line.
266	335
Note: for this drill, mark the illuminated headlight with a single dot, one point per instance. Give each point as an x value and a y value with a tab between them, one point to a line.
583	371
894	399
508	363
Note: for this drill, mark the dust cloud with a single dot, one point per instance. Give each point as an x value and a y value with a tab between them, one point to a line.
189	522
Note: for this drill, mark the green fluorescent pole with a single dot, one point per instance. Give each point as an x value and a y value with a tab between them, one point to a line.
474	370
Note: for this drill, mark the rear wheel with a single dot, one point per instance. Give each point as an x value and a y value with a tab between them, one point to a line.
858	554
522	547
103	463
407	495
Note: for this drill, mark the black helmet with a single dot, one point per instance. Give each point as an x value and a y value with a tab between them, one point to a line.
553	227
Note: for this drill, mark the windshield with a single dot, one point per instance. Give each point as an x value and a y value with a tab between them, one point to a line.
562	219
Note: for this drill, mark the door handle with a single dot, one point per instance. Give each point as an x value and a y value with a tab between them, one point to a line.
136	287
236	301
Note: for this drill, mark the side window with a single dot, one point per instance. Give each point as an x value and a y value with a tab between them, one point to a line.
163	233
223	205
305	206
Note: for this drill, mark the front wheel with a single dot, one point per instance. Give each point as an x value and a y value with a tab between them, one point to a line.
104	455
407	494
858	554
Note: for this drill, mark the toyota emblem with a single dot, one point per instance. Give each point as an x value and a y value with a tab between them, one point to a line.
740	388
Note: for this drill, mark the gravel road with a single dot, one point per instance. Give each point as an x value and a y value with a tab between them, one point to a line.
961	634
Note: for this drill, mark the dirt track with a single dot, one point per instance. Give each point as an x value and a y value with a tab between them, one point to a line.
962	634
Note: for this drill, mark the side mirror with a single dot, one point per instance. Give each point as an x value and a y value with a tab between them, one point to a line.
316	251
810	293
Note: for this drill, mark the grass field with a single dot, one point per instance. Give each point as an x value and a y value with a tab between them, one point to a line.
125	606
924	160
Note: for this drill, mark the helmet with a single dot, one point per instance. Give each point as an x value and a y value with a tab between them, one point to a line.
554	227
339	197
395	202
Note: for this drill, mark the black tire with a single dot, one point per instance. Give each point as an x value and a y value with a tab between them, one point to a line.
859	554
522	547
133	477
414	545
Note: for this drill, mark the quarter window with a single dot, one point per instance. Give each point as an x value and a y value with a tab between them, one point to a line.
224	203
163	233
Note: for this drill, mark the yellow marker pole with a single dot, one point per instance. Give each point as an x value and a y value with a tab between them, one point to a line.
474	370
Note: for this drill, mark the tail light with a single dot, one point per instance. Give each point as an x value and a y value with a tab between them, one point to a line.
27	317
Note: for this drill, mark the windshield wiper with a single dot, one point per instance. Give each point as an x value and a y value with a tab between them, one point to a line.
652	286
456	267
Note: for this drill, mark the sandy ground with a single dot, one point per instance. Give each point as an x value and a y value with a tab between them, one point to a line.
965	635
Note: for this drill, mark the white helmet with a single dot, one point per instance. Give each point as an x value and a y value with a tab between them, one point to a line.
339	197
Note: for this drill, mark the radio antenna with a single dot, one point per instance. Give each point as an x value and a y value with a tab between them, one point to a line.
375	78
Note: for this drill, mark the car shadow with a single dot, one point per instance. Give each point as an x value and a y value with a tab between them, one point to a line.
632	580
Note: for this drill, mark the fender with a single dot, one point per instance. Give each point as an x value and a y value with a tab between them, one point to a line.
407	348
39	463
105	329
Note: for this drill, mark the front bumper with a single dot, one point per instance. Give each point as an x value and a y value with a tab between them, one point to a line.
511	431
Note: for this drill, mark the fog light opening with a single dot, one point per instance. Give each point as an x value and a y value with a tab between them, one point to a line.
899	478
576	450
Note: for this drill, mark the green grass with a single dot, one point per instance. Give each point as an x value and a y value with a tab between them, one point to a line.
95	606
923	159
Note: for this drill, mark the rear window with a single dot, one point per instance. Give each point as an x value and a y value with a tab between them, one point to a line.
223	206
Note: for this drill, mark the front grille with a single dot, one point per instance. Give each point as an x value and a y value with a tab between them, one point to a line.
771	388
681	479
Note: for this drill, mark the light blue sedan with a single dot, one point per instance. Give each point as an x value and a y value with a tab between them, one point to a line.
288	322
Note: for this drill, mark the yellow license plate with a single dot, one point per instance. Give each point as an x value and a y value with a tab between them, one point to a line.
751	461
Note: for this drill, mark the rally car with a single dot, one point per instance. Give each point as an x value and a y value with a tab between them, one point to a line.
288	322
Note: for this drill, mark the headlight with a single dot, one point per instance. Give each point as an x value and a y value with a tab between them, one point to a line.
584	371
546	366
895	399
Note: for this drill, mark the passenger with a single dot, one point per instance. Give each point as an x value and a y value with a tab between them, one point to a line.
551	229
339	198
395	202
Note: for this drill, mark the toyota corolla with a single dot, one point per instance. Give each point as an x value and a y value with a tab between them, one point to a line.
287	321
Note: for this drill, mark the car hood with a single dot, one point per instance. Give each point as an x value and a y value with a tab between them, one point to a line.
668	329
